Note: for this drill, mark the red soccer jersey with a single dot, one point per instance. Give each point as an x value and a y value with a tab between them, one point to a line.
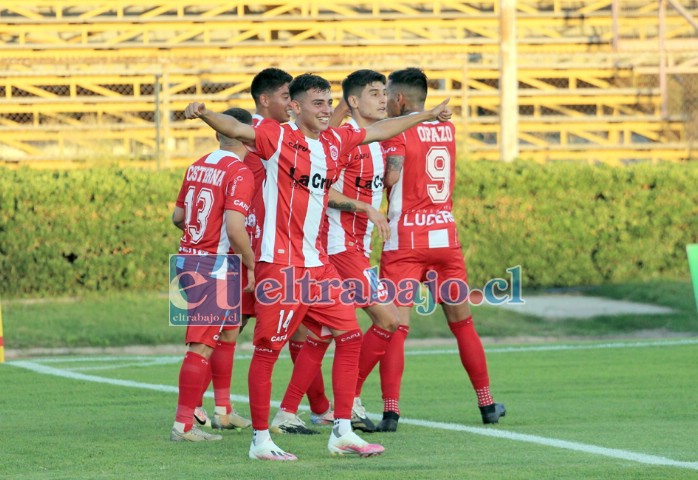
419	204
300	171
255	217
361	179
213	184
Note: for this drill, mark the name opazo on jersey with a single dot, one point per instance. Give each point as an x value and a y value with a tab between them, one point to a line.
420	202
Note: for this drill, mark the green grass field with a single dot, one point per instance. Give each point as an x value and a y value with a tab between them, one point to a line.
593	410
141	319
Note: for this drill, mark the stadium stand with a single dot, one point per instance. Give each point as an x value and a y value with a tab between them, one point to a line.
110	79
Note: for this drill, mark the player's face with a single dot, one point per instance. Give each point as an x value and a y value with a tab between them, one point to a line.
371	104
279	104
312	110
393	104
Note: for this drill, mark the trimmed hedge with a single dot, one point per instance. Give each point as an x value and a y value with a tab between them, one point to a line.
100	230
570	224
565	224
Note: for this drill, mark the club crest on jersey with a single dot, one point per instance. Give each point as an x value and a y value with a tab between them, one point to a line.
334	152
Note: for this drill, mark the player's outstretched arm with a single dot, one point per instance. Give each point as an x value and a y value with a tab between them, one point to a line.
235	228
224	124
339	201
390	127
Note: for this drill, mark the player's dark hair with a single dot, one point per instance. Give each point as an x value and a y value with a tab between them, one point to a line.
240	114
268	81
356	81
305	82
412	79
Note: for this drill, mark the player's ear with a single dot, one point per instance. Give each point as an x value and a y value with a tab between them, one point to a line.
353	101
295	107
264	100
218	137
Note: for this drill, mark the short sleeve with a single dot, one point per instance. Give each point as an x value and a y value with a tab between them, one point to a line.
267	134
394	146
350	138
239	190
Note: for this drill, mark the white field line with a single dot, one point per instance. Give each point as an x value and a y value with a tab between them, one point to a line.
490	432
146	360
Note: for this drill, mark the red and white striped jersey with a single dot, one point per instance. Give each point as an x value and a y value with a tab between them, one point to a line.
300	171
215	183
419	204
361	179
255	217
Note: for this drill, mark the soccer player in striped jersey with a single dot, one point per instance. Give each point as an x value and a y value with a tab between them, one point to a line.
269	90
420	175
301	164
349	235
210	210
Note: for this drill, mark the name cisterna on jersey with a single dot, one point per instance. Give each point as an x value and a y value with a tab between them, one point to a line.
435	133
375	183
317	181
208	175
411	219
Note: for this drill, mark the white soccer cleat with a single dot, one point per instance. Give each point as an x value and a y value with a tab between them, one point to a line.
193	435
202	417
326	418
287	422
351	444
268	450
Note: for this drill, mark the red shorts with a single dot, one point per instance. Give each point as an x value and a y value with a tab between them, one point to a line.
443	270
207	297
287	295
247	298
359	278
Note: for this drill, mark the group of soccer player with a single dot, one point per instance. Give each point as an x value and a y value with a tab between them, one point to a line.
298	199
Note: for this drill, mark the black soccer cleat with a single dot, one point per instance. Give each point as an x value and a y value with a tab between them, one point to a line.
389	422
359	419
491	413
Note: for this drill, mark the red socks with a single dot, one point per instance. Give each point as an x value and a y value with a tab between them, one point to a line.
259	384
308	366
472	356
316	391
345	371
373	349
391	369
194	368
222	371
